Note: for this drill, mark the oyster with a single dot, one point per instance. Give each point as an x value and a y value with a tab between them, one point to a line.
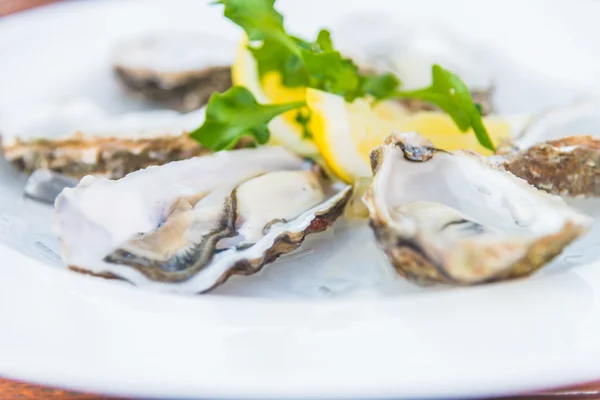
179	70
446	217
78	139
566	167
189	225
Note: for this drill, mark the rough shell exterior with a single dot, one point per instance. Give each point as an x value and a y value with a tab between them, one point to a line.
108	157
566	167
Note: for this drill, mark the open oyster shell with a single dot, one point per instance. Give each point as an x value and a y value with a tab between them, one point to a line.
179	70
189	225
78	139
453	218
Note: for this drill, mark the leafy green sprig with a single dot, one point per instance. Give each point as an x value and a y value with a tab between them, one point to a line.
301	63
451	94
236	113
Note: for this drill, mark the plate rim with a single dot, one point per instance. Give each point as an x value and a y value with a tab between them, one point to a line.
578	369
78	294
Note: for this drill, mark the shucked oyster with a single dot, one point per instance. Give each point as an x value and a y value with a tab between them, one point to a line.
567	167
189	225
453	218
180	70
78	139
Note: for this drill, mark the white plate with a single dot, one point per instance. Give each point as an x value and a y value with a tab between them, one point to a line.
311	327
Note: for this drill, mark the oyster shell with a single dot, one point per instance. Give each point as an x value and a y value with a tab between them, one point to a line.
78	139
179	70
453	218
566	167
189	225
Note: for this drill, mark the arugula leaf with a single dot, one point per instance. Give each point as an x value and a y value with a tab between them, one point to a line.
324	40
449	92
300	63
260	20
236	113
380	86
330	72
317	65
273	56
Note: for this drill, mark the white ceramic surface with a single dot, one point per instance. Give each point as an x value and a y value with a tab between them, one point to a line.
323	323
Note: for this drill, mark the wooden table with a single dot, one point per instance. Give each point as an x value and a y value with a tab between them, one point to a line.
11	390
12	6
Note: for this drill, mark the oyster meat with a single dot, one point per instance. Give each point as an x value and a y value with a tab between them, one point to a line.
179	70
454	218
78	139
566	167
189	225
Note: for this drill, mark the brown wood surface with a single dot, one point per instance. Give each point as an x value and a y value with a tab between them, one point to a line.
12	6
12	390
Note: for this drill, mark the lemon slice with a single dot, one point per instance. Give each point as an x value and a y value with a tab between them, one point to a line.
285	130
345	133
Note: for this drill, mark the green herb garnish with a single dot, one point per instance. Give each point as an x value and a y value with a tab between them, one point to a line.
234	114
300	63
380	86
449	92
260	20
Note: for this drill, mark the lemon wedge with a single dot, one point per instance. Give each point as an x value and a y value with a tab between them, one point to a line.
345	133
285	130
